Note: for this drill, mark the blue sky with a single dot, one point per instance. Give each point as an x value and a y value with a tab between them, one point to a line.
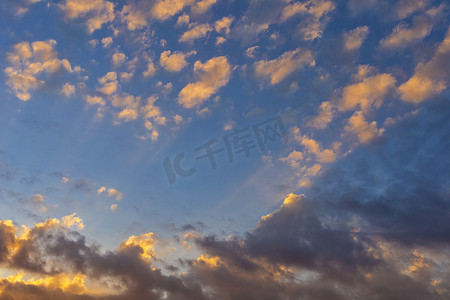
96	94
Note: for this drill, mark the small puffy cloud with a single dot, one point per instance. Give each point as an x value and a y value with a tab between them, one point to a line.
293	159
164	9
114	207
128	115
173	62
68	89
154	135
405	8
27	62
213	75
115	193
151	70
223	25
201	6
95	100
166	88
368	93
37	200
109	83
324	117
358	125
220	40
198	31
126	76
146	242
278	69
250	52
111	192
93	43
134	17
364	71
150	110
430	78
177	119
404	35
129	105
18	7
354	38
314	14
183	20
72	221
118	58
313	147
107	41
95	12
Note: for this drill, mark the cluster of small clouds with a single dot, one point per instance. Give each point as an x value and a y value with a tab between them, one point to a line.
30	62
112	193
95	13
213	74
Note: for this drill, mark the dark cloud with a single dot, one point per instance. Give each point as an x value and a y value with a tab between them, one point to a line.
50	249
354	234
399	185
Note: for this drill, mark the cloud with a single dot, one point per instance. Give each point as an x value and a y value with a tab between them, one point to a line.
430	78
358	125
405	8
72	221
109	83
313	147
368	93
213	74
164	9
118	58
183	20
37	200
95	100
367	223
198	31
223	25
128	115
135	17
250	52
374	223
111	192
28	62
355	37
138	14
94	12
18	7
324	117
315	15
174	62
114	207
107	41
278	69
151	70
293	159
63	264
404	35
220	40
68	89
202	6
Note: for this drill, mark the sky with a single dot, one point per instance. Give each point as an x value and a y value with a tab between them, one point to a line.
224	149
